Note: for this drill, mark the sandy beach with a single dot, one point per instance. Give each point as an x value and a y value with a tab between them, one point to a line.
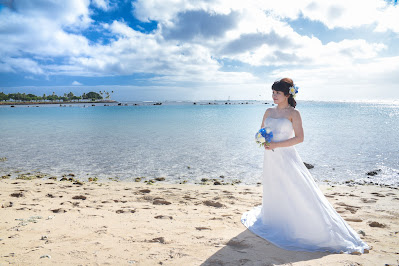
48	222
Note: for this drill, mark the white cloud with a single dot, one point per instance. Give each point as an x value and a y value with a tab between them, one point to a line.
38	29
344	14
72	14
373	80
158	10
354	49
76	83
24	65
388	19
341	13
102	4
250	36
199	24
192	40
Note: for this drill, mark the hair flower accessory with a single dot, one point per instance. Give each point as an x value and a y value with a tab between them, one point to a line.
293	90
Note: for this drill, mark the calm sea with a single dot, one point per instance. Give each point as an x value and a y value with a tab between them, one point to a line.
183	141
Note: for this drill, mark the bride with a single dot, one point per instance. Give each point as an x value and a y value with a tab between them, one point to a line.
294	214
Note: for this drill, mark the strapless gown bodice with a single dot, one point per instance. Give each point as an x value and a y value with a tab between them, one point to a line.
281	127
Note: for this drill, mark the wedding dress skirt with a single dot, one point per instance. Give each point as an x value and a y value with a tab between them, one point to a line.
294	214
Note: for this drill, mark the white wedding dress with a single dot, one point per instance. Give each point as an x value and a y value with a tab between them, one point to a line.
294	214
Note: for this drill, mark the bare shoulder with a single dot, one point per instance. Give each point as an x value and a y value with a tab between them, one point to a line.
269	110
267	113
295	114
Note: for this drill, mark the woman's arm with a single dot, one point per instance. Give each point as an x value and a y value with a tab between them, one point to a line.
264	118
299	135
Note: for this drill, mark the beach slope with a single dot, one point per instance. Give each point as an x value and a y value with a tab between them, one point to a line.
47	222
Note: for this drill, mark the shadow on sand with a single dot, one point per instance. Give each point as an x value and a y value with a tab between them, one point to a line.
249	249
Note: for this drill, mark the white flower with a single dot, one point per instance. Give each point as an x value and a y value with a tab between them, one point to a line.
259	138
292	90
268	130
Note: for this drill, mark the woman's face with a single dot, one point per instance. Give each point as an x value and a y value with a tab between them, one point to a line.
279	97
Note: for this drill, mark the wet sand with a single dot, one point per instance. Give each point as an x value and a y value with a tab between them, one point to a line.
47	222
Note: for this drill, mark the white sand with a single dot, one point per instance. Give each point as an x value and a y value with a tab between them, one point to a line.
120	223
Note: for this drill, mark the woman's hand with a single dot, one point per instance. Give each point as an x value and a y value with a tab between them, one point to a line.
271	146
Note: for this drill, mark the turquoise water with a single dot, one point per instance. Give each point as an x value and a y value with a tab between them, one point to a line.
182	141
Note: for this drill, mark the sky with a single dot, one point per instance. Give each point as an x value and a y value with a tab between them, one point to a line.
201	50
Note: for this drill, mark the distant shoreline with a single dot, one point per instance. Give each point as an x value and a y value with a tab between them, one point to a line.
34	103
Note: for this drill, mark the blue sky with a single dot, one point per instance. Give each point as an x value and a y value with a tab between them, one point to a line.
201	50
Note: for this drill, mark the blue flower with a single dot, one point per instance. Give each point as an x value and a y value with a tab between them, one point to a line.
263	136
293	90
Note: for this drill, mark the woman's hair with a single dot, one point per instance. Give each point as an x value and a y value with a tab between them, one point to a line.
284	86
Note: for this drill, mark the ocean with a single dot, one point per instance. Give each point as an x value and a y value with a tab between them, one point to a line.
186	142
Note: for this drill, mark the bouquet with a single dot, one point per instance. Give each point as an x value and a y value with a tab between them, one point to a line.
264	136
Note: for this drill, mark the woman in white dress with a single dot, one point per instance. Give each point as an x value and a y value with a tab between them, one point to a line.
294	214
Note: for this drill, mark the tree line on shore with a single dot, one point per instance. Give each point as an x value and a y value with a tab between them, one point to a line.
67	97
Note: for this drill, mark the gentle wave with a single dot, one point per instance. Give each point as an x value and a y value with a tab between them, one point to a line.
186	141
